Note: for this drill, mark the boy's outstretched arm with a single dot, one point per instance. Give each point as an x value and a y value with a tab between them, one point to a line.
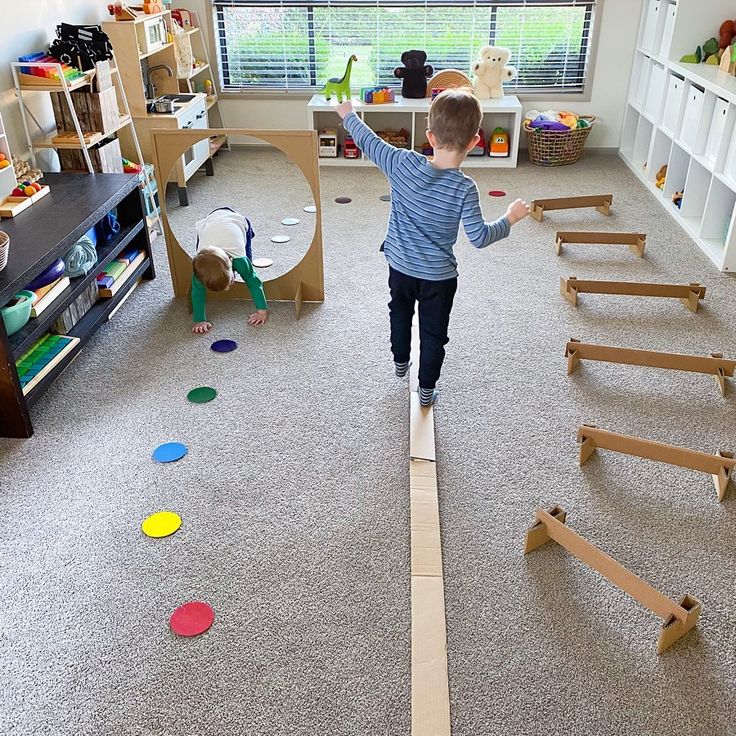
199	296
383	154
481	233
245	268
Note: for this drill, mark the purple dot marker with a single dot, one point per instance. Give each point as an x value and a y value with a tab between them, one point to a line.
224	346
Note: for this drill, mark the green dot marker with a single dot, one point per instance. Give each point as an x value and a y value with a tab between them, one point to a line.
201	395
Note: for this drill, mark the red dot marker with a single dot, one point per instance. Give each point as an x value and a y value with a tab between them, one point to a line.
192	619
497	193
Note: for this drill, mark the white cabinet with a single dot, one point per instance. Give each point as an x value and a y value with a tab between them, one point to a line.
195	157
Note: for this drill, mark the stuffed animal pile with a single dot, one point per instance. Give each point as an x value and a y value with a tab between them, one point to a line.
555	120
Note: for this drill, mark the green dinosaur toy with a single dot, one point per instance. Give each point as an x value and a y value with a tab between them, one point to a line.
341	86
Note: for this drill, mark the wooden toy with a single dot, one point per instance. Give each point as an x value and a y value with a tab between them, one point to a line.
34	365
715	365
377	95
14	204
447	79
689	294
340	86
602	202
430	695
328	144
718	466
678	618
635	241
305	281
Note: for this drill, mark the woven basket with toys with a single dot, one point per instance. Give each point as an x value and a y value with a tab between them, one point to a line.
556	138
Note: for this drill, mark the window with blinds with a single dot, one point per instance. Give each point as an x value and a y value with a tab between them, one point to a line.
297	45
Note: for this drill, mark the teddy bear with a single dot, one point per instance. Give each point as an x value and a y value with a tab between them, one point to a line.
491	72
413	74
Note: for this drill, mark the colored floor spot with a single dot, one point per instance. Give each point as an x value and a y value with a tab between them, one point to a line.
497	193
385	198
192	618
262	262
280	239
311	208
201	395
161	524
169	452
290	221
224	346
343	200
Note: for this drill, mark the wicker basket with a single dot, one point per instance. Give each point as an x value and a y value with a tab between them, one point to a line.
557	147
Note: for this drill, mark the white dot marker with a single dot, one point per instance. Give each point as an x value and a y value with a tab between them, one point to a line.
290	221
262	262
280	239
310	208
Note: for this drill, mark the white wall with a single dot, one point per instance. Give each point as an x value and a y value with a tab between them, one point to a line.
618	29
29	26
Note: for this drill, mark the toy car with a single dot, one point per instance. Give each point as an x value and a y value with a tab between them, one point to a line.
349	149
499	145
480	147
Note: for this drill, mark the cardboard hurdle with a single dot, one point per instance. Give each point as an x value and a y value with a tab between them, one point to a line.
715	365
602	202
689	294
678	619
719	466
635	241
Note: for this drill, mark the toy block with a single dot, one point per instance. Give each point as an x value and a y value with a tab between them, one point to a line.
601	202
679	618
719	466
689	294
715	365
635	241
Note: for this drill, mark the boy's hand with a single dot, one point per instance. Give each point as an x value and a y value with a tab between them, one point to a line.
259	317
344	108
517	210
199	328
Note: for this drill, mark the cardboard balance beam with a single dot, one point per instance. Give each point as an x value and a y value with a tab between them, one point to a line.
715	365
689	294
678	619
635	241
602	202
719	466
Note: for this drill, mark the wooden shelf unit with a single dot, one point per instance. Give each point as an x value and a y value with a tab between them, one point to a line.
684	115
38	237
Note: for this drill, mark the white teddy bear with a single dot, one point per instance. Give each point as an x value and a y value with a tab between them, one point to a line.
491	72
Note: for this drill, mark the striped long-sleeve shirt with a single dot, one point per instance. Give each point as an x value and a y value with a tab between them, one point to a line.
427	204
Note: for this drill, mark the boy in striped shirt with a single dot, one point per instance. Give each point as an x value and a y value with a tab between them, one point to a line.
428	201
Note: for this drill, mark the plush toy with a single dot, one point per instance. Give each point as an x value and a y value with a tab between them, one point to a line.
661	176
413	74
491	72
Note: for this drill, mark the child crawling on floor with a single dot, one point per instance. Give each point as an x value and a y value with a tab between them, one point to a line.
428	200
223	247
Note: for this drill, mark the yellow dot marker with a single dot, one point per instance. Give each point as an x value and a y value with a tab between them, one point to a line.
161	524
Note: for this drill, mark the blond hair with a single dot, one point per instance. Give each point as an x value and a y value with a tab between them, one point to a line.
454	118
213	268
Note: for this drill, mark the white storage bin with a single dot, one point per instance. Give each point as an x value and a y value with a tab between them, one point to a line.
670	12
641	89
650	26
657	81
691	118
671	117
730	167
717	129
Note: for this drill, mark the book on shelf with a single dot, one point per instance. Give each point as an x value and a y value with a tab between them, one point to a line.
120	280
40	305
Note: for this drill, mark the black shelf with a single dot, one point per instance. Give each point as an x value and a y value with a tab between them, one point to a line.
37	326
85	328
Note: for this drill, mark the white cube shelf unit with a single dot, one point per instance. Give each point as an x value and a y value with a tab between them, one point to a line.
412	116
684	115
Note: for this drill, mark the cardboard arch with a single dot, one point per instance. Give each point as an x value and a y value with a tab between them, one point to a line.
304	282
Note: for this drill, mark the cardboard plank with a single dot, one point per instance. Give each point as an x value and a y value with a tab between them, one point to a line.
426	545
421	429
601	202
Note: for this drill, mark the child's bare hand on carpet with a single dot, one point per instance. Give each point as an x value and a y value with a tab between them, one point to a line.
344	108
517	210
259	317
199	328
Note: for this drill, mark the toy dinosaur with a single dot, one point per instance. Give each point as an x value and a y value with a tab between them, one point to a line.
341	86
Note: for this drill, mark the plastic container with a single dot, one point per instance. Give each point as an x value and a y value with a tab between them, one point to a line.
16	315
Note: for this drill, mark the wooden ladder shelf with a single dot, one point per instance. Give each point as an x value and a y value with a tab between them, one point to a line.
718	466
635	241
602	202
715	365
678	619
689	294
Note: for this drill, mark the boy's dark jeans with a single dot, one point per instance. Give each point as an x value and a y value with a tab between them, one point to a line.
435	303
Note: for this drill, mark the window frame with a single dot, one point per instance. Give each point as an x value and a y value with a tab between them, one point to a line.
305	93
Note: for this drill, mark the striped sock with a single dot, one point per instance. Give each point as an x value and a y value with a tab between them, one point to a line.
402	368
427	396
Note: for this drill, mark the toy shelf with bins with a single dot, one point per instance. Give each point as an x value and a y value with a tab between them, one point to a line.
412	115
684	116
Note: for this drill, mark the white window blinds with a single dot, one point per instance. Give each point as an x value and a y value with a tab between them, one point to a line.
298	45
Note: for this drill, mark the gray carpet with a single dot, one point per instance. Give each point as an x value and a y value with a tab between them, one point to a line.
294	493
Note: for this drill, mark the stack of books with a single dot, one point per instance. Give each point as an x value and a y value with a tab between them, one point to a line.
47	295
119	271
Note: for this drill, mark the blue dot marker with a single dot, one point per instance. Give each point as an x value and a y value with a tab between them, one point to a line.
169	452
224	346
